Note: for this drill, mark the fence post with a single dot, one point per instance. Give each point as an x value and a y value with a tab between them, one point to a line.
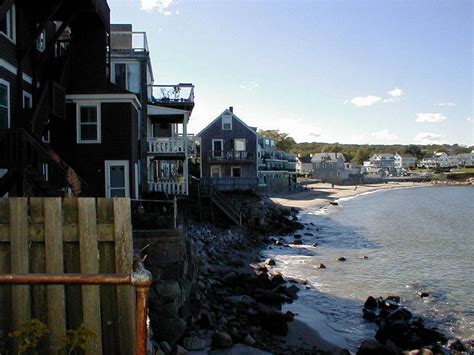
175	212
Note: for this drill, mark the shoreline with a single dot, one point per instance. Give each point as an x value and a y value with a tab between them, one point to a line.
322	194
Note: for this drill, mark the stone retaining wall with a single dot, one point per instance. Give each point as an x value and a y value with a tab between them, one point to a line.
173	264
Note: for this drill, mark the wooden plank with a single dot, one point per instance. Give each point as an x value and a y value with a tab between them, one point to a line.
124	264
89	256
21	306
5	268
54	264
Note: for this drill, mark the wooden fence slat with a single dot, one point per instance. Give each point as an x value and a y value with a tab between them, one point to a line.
124	264
53	225
21	307
89	255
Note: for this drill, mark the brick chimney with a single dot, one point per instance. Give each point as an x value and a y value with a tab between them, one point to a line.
231	109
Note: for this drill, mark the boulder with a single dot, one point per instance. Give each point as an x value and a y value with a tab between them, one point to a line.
165	347
297	236
322	266
196	343
179	350
370	303
369	315
422	294
275	322
372	347
221	340
239	349
249	340
270	262
297	242
341	258
456	345
242	299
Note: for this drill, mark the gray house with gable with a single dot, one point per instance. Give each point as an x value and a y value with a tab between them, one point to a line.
229	153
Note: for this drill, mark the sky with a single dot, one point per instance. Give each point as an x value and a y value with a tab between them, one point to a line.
347	71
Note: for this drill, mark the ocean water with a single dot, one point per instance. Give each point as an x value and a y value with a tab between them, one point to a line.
416	239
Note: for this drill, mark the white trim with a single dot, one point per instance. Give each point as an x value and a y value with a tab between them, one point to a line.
136	176
9	104
126	62
26	94
222	147
11	36
234	116
215	166
106	98
98	106
12	69
161	110
108	164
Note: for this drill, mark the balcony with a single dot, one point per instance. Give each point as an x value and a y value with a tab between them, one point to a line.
172	145
127	41
231	156
180	96
172	186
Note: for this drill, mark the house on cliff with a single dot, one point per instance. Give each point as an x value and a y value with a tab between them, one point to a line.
229	153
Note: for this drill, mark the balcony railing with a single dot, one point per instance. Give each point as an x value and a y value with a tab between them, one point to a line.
157	145
241	155
171	94
169	186
128	41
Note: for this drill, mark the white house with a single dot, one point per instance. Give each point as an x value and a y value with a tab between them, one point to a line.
466	159
404	161
329	166
304	166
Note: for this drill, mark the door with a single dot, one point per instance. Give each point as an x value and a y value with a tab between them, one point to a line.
217	148
117	177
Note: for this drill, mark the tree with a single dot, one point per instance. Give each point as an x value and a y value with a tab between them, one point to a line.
361	155
284	141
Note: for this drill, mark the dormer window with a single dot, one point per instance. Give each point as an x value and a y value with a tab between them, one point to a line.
7	24
226	122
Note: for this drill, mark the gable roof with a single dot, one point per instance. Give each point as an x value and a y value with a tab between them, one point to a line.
305	160
405	155
331	157
227	111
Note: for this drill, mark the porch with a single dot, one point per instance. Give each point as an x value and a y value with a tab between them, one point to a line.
230	183
170	186
172	145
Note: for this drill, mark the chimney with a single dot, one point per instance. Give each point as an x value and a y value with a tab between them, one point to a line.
231	109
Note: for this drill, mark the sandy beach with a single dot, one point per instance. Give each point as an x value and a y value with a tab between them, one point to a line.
320	194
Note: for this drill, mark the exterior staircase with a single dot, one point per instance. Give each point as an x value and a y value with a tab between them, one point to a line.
225	206
34	167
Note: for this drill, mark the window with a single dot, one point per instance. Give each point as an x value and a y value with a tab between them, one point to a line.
4	104
226	122
239	145
88	123
217	148
215	171
27	100
127	76
41	41
236	171
7	24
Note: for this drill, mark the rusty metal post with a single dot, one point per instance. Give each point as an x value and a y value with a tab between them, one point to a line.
141	280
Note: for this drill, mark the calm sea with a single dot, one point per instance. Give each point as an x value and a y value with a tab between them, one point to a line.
417	239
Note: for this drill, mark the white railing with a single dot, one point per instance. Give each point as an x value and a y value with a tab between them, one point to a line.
168	186
166	145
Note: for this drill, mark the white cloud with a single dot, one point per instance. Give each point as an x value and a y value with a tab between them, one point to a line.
249	86
361	101
470	119
430	117
448	104
397	92
384	134
163	6
429	138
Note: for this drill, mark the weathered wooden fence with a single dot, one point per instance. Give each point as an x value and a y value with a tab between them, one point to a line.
72	235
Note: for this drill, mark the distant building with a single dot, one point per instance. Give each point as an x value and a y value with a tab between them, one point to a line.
276	168
329	167
404	161
466	159
304	166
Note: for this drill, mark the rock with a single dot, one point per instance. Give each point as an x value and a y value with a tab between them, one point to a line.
297	242
243	299
221	340
334	203
422	294
322	266
279	243
341	258
270	262
275	322
165	347
249	340
196	343
297	236
396	299
364	257
372	347
289	316
369	315
239	349
291	291
370	303
315	244
179	350
454	344
272	298
399	314
309	234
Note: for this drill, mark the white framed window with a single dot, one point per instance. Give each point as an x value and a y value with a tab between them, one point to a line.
218	148
127	76
41	41
215	171
8	24
236	171
4	104
240	145
27	100
88	119
117	179
226	122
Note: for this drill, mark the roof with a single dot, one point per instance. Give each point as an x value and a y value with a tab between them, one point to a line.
305	160
332	157
405	155
227	111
